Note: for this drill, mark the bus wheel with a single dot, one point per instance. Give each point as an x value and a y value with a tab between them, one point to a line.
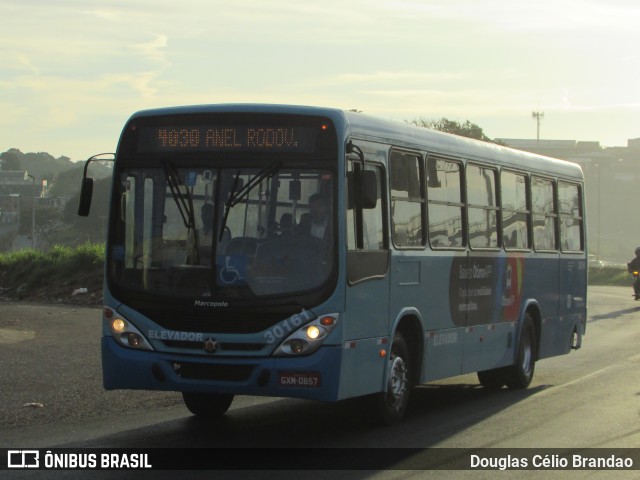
522	371
207	405
493	379
393	402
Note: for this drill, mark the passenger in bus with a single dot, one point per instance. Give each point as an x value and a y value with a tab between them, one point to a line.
286	224
316	223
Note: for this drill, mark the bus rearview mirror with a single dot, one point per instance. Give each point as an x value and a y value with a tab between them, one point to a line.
362	185
86	193
368	189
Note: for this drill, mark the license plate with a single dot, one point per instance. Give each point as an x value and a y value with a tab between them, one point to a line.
299	379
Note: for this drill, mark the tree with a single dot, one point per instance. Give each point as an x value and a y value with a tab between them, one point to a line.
10	162
67	183
466	129
93	227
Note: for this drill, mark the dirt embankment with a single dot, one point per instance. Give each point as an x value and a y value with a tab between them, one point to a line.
81	288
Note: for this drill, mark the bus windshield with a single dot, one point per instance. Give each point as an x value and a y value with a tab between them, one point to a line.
237	232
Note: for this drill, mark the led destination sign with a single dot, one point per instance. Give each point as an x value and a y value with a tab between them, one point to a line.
201	138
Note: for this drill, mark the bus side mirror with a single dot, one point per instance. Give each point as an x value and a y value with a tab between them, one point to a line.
86	193
362	189
368	188
86	189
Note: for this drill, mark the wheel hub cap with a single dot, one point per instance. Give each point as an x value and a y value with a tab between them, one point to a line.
398	380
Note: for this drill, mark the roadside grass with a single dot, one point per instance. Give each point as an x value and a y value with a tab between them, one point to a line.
30	273
614	276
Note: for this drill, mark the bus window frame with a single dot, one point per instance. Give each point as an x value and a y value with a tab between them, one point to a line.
462	204
423	200
555	214
581	217
497	208
528	211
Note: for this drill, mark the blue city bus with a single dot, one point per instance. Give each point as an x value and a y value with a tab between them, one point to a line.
315	253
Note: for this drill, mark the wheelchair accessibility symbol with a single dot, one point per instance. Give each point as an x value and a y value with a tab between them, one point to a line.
232	269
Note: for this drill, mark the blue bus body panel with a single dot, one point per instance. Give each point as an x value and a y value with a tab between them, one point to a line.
473	325
362	370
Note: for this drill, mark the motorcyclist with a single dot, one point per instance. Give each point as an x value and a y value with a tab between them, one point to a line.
634	267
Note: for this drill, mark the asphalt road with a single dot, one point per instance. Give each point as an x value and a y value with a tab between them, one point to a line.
51	396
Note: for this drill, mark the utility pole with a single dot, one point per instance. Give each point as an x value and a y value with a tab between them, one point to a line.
538	116
33	214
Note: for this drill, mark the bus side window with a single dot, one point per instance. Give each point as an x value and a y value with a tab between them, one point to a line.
544	214
515	212
483	208
571	220
446	209
407	199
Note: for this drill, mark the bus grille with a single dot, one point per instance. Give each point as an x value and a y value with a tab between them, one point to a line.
224	373
200	346
215	322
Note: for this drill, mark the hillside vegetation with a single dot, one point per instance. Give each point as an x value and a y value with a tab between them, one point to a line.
58	275
56	221
44	166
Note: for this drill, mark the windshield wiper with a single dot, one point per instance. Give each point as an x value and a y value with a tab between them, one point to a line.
184	202
237	197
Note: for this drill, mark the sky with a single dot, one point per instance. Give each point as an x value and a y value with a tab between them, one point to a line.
72	72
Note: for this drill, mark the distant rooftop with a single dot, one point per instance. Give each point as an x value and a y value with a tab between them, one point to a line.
633	143
525	143
568	149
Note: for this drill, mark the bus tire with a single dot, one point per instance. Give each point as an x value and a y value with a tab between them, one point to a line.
392	403
493	379
522	371
207	405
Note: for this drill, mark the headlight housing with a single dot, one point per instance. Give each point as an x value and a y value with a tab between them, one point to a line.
124	332
308	338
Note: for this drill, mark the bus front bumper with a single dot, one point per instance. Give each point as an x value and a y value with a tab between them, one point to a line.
315	377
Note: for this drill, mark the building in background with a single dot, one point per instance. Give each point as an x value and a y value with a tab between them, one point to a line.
19	193
9	221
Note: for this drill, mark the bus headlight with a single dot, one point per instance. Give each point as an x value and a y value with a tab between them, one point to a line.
124	332
308	338
118	325
313	332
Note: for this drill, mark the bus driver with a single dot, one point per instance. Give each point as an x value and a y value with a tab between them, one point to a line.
317	223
